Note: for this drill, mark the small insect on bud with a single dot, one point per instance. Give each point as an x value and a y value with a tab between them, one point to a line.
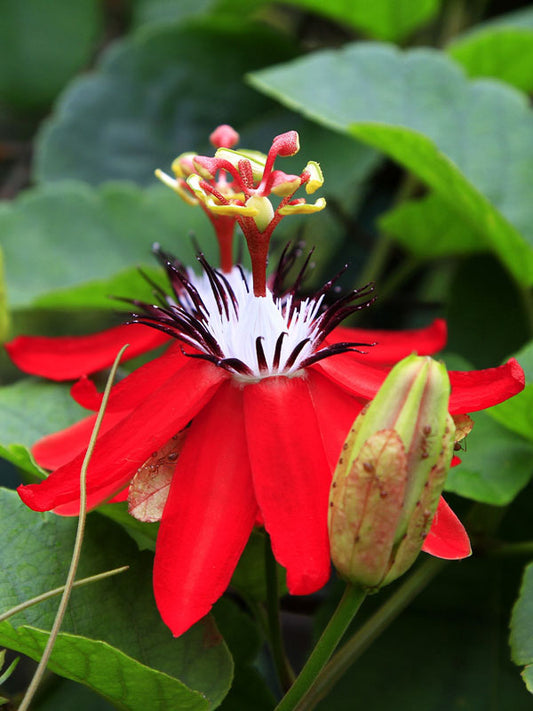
387	484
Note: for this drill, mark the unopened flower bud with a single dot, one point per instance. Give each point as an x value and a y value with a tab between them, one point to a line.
389	478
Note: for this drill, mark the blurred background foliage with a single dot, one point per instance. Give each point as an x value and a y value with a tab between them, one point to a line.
419	112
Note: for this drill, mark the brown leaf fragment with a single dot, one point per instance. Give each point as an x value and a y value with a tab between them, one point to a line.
150	485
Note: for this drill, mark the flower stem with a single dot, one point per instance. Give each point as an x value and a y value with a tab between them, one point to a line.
512	549
527	301
32	688
285	672
366	634
295	699
377	260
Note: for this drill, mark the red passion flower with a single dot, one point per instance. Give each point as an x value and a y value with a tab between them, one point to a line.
240	422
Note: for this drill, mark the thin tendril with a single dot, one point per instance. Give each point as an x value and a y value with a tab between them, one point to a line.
32	688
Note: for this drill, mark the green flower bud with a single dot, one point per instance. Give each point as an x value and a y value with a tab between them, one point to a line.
389	478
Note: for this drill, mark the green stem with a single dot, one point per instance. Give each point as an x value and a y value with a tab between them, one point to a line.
527	300
295	699
372	628
39	672
512	549
403	272
285	672
377	260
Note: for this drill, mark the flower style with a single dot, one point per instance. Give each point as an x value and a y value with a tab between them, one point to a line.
240	421
234	186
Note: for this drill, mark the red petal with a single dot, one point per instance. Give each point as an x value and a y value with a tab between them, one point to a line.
57	449
291	477
69	357
73	508
136	387
121	451
86	394
359	379
477	389
335	410
392	346
209	514
447	537
121	496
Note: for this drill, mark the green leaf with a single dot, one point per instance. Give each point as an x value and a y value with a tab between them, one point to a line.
496	465
94	239
517	413
65	695
409	106
22	458
147	12
521	639
249	575
31	409
116	225
249	690
113	639
4	313
119	678
501	48
143	533
429	229
382	19
6	673
484	311
42	45
155	95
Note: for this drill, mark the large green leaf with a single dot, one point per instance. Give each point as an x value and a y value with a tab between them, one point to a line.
146	12
502	48
149	121
119	678
29	410
65	695
42	45
409	105
429	229
112	638
484	311
4	313
155	95
517	413
522	628
382	19
94	239
496	465
88	242
249	690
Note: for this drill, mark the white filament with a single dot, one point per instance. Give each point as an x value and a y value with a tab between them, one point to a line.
263	317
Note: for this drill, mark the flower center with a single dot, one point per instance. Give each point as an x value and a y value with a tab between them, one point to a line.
271	336
251	336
